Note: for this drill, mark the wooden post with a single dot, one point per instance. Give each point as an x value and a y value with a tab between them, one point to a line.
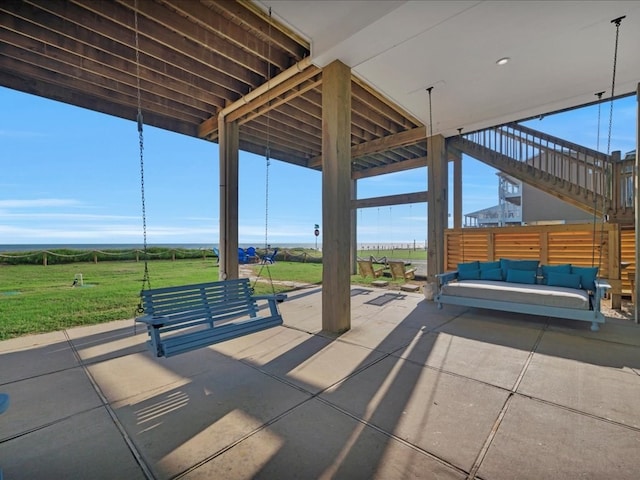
336	197
614	266
437	205
616	178
354	229
457	190
44	259
636	203
228	138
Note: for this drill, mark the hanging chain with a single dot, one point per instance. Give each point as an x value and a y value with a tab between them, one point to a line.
617	22
595	197
608	175
268	149
145	279
267	155
430	172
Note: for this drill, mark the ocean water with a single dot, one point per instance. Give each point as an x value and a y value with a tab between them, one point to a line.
132	246
197	246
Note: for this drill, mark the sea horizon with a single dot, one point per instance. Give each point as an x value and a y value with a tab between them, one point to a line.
30	247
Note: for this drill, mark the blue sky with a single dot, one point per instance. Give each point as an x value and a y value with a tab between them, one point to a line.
72	176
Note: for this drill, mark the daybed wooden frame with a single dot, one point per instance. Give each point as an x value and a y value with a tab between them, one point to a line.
593	315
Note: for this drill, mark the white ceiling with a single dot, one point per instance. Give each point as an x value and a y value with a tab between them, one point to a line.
561	53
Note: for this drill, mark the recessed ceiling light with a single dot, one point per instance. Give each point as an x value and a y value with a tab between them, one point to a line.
503	61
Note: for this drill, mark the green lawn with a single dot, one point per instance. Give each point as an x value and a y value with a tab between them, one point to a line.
36	299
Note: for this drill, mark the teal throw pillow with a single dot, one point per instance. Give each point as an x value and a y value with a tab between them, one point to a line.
494	274
468	266
527	265
469	274
588	276
568	280
489	265
547	269
521	276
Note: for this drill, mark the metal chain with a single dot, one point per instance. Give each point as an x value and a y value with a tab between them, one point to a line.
608	177
435	243
267	155
145	279
268	149
595	197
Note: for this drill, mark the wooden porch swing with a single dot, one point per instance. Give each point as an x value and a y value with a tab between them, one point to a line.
183	318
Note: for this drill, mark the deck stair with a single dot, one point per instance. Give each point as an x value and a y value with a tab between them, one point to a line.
586	178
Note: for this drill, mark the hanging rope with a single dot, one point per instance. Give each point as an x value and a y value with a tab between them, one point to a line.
608	176
145	279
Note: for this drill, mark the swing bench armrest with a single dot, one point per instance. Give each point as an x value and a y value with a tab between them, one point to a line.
446	277
154	321
273	300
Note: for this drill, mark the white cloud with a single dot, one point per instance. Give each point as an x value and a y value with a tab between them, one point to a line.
39	203
18	134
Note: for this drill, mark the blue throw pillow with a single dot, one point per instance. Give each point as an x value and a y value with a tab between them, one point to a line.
506	265
494	274
568	280
521	276
468	266
469	274
588	275
547	269
528	265
489	265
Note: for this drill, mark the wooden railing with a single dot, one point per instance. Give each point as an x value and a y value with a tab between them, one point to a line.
593	178
554	156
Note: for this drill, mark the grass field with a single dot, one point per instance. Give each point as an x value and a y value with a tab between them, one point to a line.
37	299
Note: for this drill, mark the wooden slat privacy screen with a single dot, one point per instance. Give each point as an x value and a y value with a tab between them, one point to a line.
605	246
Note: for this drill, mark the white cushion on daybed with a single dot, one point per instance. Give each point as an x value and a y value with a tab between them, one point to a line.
519	293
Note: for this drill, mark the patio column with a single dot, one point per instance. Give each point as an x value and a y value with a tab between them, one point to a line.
336	197
457	190
354	228
636	202
228	140
437	205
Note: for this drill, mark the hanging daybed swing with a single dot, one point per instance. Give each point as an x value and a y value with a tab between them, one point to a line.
183	318
575	292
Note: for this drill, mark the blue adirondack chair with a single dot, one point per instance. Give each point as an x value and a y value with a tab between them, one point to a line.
252	255
242	255
270	258
216	252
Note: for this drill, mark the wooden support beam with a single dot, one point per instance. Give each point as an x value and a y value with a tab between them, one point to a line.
437	205
387	200
264	92
636	202
457	190
336	197
228	143
418	162
383	144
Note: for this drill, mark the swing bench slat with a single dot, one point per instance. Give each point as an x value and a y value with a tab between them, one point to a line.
189	317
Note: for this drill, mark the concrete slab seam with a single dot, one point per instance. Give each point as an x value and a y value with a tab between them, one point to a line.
266	424
130	444
496	426
392	436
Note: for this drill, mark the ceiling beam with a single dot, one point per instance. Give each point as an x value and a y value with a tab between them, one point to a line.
388	200
391	168
382	144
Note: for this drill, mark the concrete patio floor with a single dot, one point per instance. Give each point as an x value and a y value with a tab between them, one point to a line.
409	392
